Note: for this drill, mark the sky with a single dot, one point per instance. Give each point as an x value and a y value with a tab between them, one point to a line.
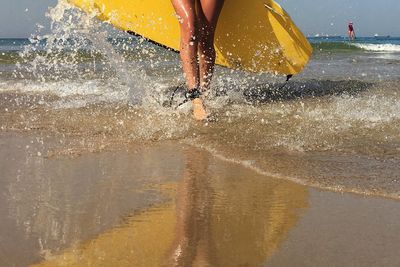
19	18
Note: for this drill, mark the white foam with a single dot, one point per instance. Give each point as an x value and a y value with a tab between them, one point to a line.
61	89
379	47
72	94
251	165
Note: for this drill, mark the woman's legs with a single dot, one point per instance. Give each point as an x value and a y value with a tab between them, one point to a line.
186	12
208	12
198	19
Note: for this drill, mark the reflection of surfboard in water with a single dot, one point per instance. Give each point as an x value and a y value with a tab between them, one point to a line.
238	235
253	35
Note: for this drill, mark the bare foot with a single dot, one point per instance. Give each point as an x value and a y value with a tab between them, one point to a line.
199	111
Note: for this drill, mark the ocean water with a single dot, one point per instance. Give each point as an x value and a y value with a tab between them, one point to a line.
335	126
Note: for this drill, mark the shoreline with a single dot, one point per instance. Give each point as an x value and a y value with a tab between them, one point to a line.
95	200
78	150
95	128
332	189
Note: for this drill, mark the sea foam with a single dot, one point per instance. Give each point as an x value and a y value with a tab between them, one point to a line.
379	47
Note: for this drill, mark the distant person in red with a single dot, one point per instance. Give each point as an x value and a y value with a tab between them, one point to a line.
352	34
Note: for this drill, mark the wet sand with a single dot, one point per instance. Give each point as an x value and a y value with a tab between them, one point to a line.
166	203
278	139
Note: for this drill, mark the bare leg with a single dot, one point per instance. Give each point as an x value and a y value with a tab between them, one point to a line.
208	12
186	12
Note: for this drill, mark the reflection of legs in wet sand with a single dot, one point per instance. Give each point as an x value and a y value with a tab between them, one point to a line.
193	241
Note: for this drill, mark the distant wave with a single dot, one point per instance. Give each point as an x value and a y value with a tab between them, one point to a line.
335	46
379	47
349	47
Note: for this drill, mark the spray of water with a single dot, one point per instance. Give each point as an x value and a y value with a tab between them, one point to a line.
79	50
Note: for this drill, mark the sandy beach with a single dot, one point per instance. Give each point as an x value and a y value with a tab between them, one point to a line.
70	200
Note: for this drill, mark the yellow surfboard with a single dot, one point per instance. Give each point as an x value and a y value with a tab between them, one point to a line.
252	35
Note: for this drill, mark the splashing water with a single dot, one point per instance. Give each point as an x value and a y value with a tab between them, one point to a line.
79	50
